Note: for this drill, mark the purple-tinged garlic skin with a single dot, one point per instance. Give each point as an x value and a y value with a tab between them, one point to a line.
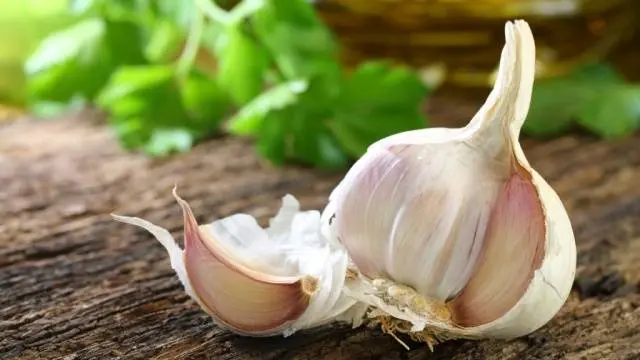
261	282
242	299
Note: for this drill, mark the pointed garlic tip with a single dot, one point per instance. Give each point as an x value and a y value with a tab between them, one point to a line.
506	107
243	300
479	243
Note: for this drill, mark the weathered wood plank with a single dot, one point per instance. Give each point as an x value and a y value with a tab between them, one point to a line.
76	285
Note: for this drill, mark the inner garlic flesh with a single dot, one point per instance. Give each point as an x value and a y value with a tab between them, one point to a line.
460	217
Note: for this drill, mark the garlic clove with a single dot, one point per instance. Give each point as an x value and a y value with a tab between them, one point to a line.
260	282
451	230
517	214
242	299
551	278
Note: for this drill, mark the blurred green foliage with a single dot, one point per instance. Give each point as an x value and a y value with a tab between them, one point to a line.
273	74
594	97
23	24
173	73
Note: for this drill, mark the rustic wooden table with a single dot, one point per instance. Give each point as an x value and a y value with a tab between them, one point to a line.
76	285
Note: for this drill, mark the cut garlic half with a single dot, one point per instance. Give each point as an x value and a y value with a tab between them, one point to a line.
260	282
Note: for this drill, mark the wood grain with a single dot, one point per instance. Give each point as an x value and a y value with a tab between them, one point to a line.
76	285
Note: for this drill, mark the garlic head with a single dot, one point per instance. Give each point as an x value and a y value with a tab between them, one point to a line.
451	230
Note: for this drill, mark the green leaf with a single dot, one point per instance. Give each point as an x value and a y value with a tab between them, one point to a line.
242	65
113	10
295	134
272	144
376	101
312	142
65	45
164	43
614	111
81	7
152	111
51	109
302	46
299	13
78	61
69	63
304	134
554	106
165	141
135	81
213	36
356	133
181	13
141	99
601	73
244	9
377	85
290	121
204	99
595	97
249	120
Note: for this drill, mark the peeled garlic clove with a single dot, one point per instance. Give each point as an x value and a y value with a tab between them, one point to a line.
451	229
259	282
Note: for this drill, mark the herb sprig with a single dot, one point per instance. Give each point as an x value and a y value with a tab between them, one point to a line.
273	73
173	73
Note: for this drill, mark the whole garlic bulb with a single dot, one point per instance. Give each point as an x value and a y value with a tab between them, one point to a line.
451	230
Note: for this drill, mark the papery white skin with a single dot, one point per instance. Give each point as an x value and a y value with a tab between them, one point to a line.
468	166
292	245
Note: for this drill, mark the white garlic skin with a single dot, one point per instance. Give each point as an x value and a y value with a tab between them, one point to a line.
461	156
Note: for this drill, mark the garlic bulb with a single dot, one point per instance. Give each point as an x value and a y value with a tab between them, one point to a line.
438	233
451	230
261	282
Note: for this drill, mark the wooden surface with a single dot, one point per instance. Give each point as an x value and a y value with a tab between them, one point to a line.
76	285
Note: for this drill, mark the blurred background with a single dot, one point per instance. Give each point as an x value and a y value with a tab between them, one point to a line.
313	82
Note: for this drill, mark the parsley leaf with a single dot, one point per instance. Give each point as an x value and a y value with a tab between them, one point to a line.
300	43
166	141
377	100
152	111
290	121
293	121
164	42
242	64
249	119
78	61
205	100
594	97
274	75
614	113
295	133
